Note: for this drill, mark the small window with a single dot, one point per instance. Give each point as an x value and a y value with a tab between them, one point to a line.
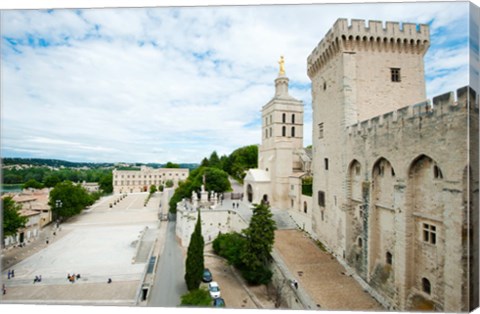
324	85
293	119
326	163
305	207
291	203
284	118
437	173
320	130
270	132
293	131
426	286
266	133
360	242
321	198
284	131
388	258
395	74
321	212
429	233
357	170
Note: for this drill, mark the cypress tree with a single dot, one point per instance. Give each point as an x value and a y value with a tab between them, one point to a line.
194	264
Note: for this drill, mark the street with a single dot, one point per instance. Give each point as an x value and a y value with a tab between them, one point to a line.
169	283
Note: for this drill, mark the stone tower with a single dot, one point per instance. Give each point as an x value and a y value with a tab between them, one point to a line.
282	134
357	72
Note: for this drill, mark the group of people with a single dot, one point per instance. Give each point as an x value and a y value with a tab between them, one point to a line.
11	273
235	205
37	279
72	277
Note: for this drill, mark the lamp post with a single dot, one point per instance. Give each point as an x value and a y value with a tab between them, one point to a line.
58	205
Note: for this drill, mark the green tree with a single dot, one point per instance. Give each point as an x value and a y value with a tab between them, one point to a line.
153	189
12	219
171	165
194	263
214	160
34	184
198	297
73	199
106	182
216	180
230	246
204	162
240	161
169	183
160	188
51	180
260	236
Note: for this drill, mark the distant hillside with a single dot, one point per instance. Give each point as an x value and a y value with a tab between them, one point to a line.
52	163
69	164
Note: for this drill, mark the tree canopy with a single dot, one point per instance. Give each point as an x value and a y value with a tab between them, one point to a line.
240	160
250	250
215	180
194	264
68	199
12	219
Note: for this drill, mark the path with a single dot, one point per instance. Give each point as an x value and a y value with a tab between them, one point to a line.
169	283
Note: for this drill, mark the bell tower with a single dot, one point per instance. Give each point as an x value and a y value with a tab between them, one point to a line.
282	134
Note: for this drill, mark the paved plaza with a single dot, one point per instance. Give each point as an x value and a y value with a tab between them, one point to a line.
99	244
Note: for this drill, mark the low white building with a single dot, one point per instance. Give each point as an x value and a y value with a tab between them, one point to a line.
135	181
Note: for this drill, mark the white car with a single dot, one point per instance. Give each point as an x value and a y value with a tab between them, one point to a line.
214	289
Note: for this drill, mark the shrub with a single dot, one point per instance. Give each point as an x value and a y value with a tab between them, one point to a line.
199	297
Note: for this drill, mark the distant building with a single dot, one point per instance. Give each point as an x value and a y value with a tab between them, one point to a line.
135	181
91	186
35	207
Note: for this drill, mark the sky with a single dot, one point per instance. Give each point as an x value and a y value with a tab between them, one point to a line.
159	84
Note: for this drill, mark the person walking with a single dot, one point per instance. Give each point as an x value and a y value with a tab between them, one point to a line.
4	289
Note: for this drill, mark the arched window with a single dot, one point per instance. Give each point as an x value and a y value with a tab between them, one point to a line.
284	131
293	119
284	118
360	242
293	131
426	287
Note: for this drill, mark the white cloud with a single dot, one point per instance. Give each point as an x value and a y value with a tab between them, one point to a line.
154	85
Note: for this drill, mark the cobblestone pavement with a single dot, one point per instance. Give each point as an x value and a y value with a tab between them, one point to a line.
320	275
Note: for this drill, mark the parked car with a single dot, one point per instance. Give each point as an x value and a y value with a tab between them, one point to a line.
214	289
207	275
218	302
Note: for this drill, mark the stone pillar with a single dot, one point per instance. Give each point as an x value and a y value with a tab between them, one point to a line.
454	249
402	248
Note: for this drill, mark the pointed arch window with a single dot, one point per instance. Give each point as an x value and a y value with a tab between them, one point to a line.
293	131
284	118
284	131
293	119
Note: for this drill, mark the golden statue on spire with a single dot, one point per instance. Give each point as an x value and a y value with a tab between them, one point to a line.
282	66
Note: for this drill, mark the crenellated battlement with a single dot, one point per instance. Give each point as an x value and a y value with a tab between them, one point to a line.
466	99
394	37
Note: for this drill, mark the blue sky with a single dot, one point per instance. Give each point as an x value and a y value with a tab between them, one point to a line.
175	84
